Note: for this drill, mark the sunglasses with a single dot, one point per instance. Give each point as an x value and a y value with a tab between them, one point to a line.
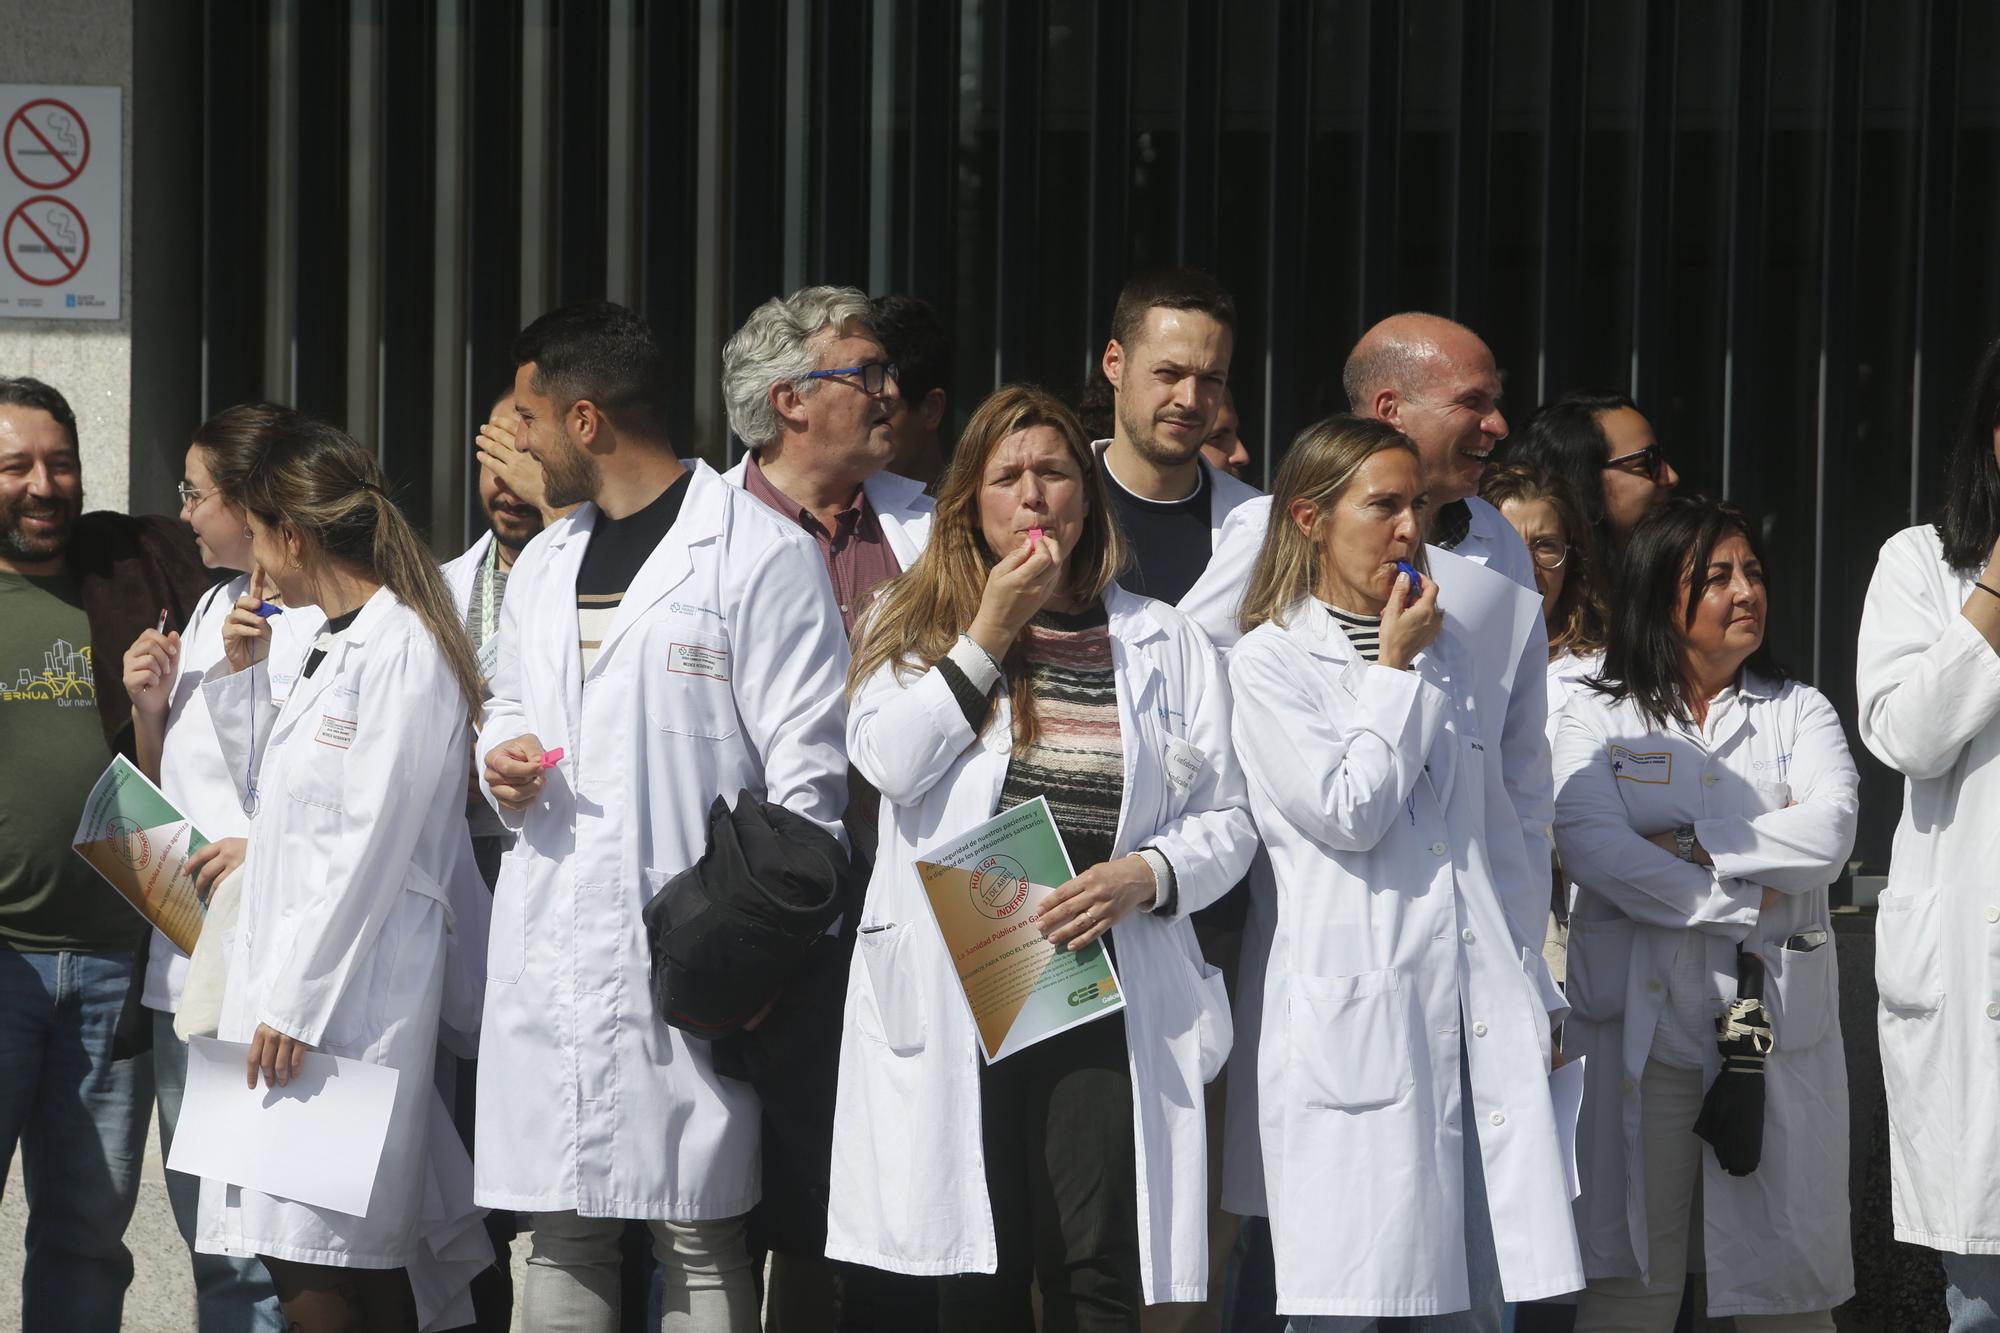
1648	462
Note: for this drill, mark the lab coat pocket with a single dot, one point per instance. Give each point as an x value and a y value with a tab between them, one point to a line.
1350	1040
688	690
1800	995
892	1007
1206	990
1599	960
1908	974
507	934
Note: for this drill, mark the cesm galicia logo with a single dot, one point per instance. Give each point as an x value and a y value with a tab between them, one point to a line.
999	887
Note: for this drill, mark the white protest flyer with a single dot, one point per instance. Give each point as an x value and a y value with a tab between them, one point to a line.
317	1140
133	836
984	887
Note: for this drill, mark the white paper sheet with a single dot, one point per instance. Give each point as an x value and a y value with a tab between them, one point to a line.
1566	1091
316	1141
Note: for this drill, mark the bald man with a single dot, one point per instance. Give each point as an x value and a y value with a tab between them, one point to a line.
1434	380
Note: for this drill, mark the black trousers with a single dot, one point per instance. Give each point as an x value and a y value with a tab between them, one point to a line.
1057	1123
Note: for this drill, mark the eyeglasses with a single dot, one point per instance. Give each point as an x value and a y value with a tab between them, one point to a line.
1647	462
190	496
873	377
1548	552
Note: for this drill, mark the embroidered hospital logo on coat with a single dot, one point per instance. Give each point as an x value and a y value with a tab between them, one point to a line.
1656	768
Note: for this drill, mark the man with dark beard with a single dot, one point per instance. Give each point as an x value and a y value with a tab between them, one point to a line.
73	587
512	496
1167	362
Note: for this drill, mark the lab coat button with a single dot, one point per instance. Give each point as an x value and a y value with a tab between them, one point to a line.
1466	934
1709	779
1437	849
1993	1010
1626	1087
1993	914
1653	985
1478	1029
1497	1118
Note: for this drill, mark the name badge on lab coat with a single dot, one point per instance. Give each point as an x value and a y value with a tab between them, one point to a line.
489	656
1184	764
1656	768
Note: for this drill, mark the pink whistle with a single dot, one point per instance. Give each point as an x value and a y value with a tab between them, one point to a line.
551	758
1034	535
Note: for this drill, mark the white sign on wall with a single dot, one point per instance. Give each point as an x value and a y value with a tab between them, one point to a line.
62	165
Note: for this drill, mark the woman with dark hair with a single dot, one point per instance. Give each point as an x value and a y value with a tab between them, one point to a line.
1704	802
359	883
176	747
1604	450
1928	672
1007	665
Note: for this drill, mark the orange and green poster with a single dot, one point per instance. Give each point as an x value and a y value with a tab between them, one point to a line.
984	887
140	843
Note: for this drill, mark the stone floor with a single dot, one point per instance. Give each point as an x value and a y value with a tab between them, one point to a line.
162	1296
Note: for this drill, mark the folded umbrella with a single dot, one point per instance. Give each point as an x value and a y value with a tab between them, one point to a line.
1732	1114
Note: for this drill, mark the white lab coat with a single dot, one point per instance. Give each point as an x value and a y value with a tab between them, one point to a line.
1566	677
359	898
1374	790
1519	859
1776	1240
899	503
1929	691
193	772
908	1191
723	670
462	571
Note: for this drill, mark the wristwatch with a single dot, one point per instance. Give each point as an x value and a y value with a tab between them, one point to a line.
1684	841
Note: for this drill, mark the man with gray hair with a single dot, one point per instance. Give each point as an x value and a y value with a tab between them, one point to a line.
811	394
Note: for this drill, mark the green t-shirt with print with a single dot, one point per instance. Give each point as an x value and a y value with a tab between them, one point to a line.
52	752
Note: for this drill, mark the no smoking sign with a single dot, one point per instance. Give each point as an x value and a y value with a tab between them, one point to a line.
61	187
47	241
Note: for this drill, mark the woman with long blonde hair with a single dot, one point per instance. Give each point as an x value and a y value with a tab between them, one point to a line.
1408	1135
1005	665
359	882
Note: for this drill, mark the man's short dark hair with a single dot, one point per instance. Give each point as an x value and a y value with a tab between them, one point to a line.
1170	289
25	391
604	353
916	340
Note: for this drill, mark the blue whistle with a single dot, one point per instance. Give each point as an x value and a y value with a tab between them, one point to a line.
1416	579
269	609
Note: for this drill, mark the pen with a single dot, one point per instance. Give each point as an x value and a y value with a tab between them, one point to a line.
161	628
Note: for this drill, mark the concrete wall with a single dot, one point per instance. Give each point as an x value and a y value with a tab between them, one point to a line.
88	42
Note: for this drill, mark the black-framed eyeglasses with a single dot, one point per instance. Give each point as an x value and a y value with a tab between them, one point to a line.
872	378
189	495
1650	462
1548	552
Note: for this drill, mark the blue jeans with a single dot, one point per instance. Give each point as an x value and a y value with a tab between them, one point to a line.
230	1295
1482	1265
1972	1292
79	1118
